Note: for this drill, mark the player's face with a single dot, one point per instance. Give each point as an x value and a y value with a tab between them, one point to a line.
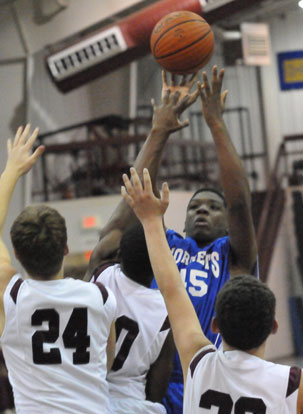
206	218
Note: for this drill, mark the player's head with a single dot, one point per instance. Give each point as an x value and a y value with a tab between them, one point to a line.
245	312
39	238
134	257
206	218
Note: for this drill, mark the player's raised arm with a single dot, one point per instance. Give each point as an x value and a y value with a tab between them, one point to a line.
232	175
175	98
150	210
19	161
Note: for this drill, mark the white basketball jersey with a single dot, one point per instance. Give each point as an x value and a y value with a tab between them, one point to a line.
54	345
141	328
235	382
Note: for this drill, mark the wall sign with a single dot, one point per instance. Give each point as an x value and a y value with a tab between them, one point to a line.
291	70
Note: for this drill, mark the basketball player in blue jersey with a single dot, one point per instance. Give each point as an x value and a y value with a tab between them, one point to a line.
220	239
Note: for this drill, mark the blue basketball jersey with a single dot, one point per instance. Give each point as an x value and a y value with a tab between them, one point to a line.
203	271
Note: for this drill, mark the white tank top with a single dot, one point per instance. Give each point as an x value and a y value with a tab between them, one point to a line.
236	382
141	328
54	344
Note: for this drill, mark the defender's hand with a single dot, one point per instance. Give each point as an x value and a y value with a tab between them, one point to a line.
20	156
141	197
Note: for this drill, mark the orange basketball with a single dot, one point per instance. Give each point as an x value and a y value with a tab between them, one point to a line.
182	42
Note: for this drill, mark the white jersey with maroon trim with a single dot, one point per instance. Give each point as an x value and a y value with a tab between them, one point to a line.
54	344
235	382
141	328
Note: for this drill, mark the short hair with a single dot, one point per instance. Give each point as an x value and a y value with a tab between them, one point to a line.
39	238
210	189
134	255
245	312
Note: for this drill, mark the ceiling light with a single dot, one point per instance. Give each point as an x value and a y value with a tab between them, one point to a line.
300	4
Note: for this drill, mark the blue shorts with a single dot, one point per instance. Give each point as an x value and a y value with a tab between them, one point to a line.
173	399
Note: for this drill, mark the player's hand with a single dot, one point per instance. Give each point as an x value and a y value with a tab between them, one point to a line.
183	87
20	157
175	98
141	198
213	101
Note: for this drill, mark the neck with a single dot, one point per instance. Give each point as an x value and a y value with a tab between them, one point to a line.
143	281
57	276
200	243
258	352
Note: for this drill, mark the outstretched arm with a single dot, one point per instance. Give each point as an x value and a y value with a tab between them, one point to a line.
19	161
233	177
175	99
183	318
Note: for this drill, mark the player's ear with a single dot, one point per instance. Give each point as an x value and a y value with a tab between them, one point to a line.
214	325
66	251
275	327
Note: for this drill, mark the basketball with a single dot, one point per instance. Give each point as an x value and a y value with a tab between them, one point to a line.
182	42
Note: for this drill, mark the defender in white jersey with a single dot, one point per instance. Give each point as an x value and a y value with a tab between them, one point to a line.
235	380
144	343
55	333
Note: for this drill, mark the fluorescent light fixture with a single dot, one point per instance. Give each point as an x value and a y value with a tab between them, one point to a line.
300	4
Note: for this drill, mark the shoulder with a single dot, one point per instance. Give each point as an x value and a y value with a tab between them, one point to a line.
175	239
104	271
170	234
7	271
108	298
222	242
295	381
199	356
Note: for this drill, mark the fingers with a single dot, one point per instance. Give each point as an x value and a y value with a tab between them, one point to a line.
166	95
137	185
24	134
32	138
175	97
128	185
36	154
201	92
126	196
214	72
183	104
193	79
152	101
217	80
164	77
183	80
183	124
133	188
18	135
165	194
193	97
9	145
223	97
206	86
173	79
147	181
